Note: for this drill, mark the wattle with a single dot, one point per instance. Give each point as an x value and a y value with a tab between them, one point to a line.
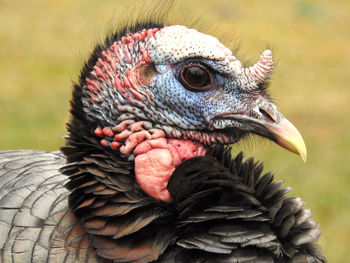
157	159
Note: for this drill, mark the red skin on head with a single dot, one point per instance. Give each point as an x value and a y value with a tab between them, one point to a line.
157	159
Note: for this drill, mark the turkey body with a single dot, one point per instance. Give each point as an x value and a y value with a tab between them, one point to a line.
33	200
224	211
146	175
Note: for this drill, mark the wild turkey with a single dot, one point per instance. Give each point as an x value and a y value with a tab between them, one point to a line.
139	179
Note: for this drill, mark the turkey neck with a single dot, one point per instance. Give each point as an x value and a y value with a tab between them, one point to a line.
104	194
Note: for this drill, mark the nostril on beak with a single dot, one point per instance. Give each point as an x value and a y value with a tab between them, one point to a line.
269	117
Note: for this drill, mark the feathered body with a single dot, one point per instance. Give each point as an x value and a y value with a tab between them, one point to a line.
139	179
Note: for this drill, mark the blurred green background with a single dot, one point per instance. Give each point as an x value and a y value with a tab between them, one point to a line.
43	45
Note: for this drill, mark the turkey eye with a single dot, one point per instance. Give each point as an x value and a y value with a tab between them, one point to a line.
196	78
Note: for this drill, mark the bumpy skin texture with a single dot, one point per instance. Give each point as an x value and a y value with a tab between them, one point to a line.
133	93
115	91
157	159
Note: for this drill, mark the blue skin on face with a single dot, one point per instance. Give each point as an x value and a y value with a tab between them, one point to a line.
189	109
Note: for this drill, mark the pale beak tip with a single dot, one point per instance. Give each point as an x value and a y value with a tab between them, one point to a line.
303	153
289	138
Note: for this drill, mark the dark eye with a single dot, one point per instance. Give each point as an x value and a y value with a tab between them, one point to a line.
196	77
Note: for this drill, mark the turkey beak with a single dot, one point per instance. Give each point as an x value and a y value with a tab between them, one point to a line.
287	136
268	122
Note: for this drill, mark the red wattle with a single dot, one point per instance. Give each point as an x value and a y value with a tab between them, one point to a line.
157	159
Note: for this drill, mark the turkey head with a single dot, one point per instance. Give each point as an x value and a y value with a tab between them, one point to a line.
162	94
150	100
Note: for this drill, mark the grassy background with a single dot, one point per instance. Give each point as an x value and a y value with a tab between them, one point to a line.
44	43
